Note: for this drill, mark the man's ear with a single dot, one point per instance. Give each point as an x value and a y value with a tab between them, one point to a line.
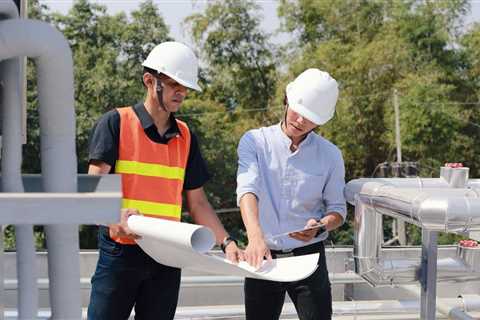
148	79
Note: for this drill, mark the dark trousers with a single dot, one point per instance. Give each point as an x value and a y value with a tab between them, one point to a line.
312	296
126	277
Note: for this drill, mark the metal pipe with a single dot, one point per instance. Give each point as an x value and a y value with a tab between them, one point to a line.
453	308
457	314
8	10
53	58
12	182
377	270
11	161
340	308
448	210
428	279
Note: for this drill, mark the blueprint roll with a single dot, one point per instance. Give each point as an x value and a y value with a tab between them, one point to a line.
187	246
162	239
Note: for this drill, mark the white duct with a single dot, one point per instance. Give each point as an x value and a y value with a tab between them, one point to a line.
12	182
8	10
456	309
50	50
377	270
10	71
403	309
434	206
435	209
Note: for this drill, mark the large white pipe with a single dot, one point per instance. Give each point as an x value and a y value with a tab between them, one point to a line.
52	54
436	209
380	271
453	308
12	182
11	172
8	10
340	308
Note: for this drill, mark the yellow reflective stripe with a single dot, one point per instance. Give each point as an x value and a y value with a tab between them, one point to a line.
149	169
153	208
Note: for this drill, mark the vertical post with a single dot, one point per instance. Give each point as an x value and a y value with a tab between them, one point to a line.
2	272
12	182
428	279
402	239
397	126
2	229
23	77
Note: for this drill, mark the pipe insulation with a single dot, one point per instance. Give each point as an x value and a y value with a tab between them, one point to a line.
377	270
12	182
435	209
52	54
8	10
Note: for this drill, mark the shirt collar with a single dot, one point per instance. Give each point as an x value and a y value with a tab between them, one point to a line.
147	121
287	141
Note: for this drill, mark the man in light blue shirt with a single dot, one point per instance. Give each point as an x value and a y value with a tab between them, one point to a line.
290	178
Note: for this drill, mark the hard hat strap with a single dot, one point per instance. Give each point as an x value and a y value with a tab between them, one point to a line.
159	88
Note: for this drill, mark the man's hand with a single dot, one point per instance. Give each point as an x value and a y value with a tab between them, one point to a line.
121	229
306	235
233	252
256	250
332	220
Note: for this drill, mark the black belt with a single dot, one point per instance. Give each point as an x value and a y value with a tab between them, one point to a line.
300	251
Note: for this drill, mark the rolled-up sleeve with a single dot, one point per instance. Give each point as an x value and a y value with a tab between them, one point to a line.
247	173
333	191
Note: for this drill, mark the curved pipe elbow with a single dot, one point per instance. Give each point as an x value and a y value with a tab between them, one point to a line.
8	10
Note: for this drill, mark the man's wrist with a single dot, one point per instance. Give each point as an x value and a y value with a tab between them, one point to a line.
226	242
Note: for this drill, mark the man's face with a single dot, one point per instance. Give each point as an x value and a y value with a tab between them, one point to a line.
296	125
173	92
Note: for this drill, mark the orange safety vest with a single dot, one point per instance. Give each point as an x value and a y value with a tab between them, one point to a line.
152	173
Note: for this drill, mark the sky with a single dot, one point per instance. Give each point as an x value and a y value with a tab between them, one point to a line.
174	11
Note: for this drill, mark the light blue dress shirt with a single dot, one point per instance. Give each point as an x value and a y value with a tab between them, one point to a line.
291	187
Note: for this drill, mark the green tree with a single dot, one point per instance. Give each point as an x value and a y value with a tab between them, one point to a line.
239	77
107	53
373	48
470	45
240	68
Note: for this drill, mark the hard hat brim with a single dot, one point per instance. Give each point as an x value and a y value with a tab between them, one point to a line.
184	83
309	115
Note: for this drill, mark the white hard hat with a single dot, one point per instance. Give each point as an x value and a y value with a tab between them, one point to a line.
313	94
175	60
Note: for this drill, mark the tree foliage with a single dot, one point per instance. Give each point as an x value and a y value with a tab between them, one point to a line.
374	48
107	53
240	69
418	49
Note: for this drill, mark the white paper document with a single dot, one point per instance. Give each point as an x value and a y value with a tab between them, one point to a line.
185	245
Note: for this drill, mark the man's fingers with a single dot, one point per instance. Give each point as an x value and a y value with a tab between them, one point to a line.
234	257
241	255
303	236
258	262
268	255
251	260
